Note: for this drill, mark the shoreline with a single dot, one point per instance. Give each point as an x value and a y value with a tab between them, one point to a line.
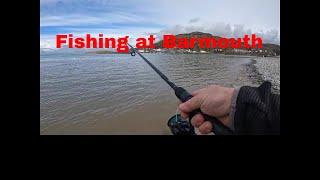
178	52
265	69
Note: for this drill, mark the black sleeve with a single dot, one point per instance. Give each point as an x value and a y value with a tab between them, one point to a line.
257	110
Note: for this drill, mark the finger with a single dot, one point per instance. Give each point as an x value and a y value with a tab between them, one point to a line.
205	128
184	115
192	104
197	120
196	92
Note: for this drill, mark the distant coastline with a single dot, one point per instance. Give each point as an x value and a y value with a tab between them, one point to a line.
104	52
267	50
183	51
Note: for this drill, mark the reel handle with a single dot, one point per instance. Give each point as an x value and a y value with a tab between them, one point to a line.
218	127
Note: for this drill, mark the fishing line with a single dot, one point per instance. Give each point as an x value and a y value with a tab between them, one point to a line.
177	114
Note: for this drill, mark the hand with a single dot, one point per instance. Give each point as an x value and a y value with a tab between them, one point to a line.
214	101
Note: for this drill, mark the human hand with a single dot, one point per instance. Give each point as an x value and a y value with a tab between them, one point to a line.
214	101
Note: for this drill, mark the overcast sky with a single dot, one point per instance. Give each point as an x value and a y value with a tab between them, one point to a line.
228	18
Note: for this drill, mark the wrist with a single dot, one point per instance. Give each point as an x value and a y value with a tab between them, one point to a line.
229	96
233	107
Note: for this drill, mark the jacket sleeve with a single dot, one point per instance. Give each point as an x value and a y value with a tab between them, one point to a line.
257	110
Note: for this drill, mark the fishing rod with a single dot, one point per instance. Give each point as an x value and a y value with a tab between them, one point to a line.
183	95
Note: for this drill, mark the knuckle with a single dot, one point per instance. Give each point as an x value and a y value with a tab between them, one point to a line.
203	130
194	123
214	87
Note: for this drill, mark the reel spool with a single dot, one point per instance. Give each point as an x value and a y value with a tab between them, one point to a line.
180	126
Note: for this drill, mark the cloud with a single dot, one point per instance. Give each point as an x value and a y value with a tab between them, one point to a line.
47	41
270	36
144	17
194	20
70	20
224	30
80	19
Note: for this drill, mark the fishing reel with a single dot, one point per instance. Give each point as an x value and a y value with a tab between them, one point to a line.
180	126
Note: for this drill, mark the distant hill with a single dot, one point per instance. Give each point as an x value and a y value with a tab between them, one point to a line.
267	49
272	47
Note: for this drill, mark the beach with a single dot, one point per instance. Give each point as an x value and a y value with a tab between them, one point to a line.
266	69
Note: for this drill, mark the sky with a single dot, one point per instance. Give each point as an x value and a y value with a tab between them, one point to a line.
139	18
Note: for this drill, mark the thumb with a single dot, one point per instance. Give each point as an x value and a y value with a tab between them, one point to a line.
192	104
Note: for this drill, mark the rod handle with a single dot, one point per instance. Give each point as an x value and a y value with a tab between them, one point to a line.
218	127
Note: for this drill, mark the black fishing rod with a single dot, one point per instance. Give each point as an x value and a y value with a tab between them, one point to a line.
183	95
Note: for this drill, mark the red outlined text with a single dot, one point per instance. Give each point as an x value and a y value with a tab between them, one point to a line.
169	41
